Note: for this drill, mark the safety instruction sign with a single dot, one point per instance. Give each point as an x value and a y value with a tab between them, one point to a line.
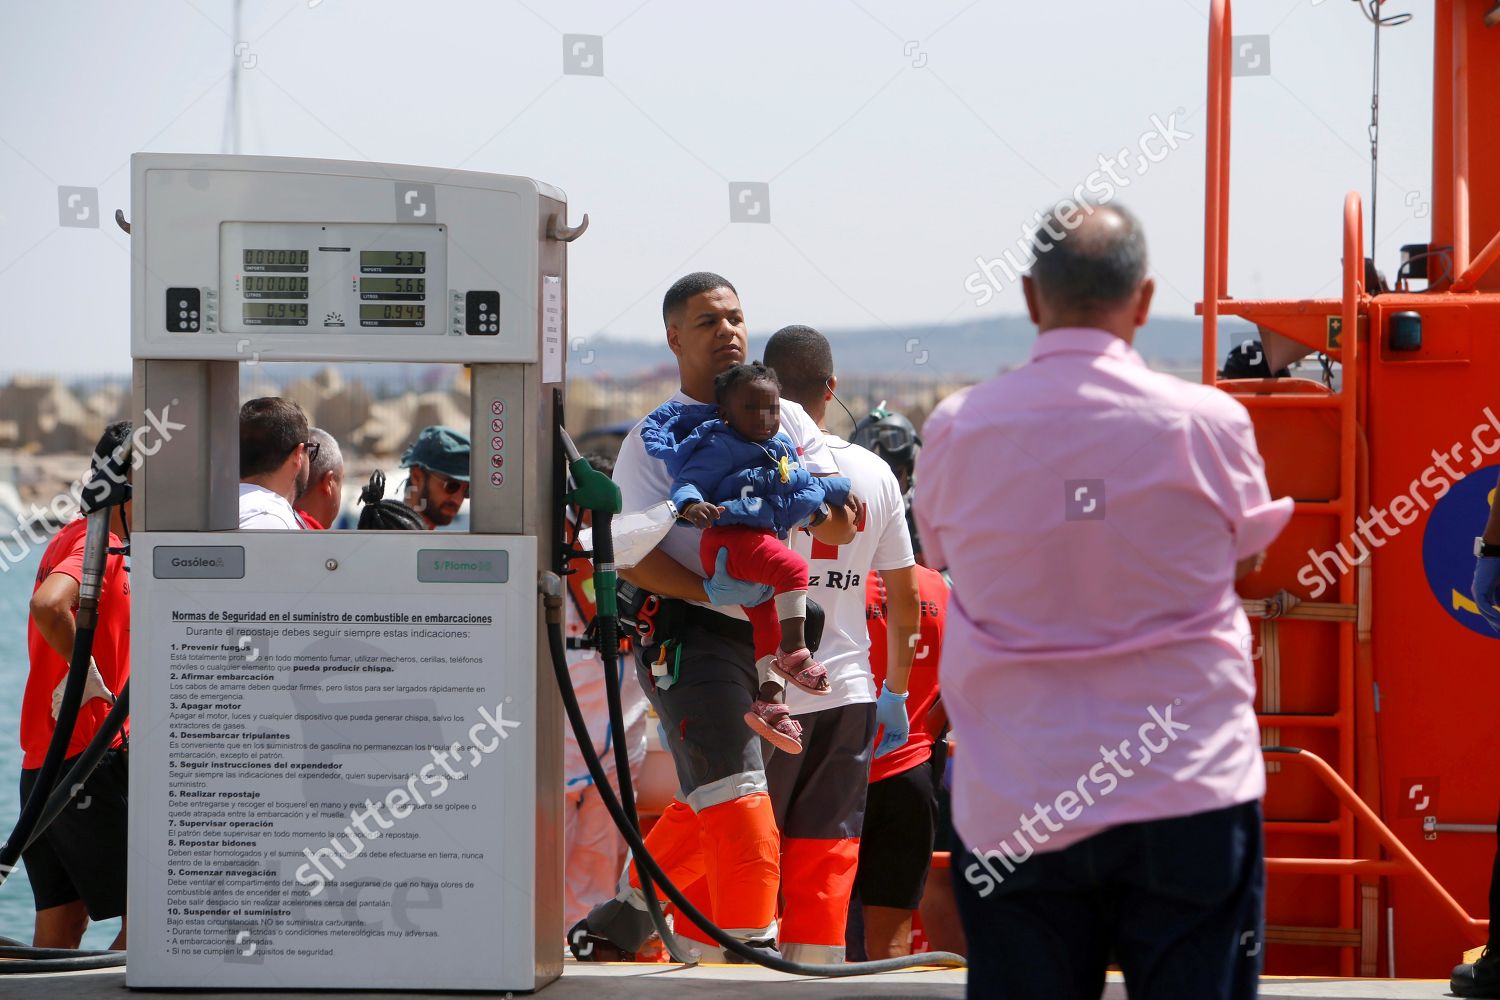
332	761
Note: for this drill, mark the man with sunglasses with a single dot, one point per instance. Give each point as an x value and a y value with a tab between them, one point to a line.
438	482
276	456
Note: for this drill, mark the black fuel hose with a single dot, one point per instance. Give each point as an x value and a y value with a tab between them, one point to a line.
609	652
646	864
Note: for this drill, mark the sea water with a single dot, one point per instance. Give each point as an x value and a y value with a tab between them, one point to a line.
17	911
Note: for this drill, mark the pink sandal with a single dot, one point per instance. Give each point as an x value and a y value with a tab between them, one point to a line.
798	667
773	722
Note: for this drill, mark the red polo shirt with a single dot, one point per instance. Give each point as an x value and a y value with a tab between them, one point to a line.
922	688
111	652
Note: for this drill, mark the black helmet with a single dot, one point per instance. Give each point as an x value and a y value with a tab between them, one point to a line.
889	435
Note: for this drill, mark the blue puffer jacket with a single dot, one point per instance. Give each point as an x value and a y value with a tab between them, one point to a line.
708	460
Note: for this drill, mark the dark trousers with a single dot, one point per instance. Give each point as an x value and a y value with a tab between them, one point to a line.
1178	903
716	755
819	799
1495	895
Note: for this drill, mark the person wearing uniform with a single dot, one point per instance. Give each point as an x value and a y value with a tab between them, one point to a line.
895	848
819	796
77	865
718	840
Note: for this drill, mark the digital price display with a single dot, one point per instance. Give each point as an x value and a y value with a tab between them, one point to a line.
275	260
274	287
392	315
393	289
393	261
291	280
274	313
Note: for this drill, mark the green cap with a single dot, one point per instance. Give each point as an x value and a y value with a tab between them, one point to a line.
442	450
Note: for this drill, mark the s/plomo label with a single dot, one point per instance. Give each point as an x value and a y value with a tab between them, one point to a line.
200	562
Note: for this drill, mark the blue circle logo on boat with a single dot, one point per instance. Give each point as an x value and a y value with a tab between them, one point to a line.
1448	546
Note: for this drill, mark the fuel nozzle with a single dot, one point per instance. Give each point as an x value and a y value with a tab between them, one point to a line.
592	489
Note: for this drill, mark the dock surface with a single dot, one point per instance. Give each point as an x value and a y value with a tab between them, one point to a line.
591	981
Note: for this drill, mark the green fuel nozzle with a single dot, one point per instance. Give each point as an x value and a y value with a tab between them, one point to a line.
592	489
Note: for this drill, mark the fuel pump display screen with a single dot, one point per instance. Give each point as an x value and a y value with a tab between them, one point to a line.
392	261
332	278
275	287
393	289
389	314
275	313
275	260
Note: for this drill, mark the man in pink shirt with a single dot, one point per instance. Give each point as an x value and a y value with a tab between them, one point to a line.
1094	515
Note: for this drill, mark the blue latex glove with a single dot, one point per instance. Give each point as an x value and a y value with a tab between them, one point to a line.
722	588
1486	581
890	712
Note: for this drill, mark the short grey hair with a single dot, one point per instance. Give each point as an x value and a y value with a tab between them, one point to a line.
1093	270
329	457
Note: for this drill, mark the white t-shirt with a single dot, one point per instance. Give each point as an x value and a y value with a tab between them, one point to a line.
838	574
263	508
643	481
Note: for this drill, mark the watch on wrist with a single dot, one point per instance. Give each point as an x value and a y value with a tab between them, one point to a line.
823	513
1484	550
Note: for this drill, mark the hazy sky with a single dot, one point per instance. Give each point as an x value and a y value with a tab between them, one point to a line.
899	140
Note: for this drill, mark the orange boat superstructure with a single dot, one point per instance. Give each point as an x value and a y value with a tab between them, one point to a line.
1371	654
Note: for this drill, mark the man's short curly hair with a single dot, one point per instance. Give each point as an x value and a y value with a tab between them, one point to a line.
731	378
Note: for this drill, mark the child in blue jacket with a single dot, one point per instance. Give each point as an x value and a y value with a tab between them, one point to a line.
738	477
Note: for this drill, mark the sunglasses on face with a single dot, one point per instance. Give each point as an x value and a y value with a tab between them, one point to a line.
450	486
312	450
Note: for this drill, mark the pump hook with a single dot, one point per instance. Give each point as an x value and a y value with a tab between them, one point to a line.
120	220
558	228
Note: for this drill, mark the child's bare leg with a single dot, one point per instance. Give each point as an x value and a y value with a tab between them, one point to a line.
794	661
772	687
791	608
793	634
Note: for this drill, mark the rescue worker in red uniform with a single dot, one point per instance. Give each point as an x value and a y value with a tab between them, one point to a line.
77	865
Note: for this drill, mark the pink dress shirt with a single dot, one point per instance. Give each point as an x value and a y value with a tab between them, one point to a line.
1096	665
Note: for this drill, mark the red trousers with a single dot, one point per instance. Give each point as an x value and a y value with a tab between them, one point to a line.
757	556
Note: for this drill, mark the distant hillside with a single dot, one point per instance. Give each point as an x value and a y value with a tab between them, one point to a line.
973	349
967	350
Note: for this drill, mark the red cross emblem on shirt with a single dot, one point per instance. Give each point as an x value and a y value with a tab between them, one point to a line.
822	550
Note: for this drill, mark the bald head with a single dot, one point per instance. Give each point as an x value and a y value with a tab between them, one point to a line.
1089	268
